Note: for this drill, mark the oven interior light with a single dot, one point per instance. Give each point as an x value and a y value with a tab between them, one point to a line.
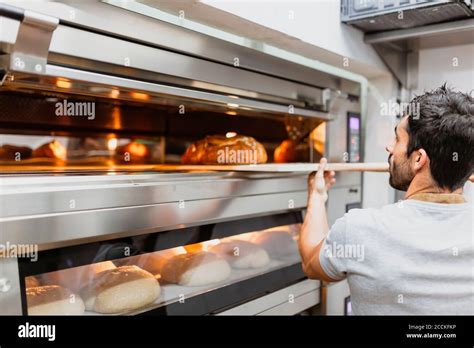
112	144
230	134
63	83
114	93
99	89
231	113
139	96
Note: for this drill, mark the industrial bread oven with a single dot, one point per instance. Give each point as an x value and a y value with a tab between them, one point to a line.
98	215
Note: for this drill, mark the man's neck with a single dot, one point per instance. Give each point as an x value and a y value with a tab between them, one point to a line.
426	185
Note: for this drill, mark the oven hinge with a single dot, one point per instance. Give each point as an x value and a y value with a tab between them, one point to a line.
29	54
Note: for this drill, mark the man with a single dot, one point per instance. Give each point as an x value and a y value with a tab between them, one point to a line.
415	256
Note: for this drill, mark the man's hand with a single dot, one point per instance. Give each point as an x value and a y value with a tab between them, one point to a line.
319	182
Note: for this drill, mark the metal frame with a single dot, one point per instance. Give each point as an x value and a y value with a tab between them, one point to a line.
399	48
143	29
383	7
87	83
198	67
55	212
280	87
288	301
10	300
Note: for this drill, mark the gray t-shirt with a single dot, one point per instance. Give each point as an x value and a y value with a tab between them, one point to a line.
411	257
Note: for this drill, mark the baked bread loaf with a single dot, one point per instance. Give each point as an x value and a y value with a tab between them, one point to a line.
78	277
53	149
14	153
276	243
219	149
195	269
291	151
133	152
150	262
241	254
53	300
121	289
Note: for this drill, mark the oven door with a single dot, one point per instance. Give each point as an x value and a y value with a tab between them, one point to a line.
196	270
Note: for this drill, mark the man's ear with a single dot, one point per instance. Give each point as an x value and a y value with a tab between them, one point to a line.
420	159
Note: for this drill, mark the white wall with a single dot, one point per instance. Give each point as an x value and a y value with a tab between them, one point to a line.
309	27
454	65
378	133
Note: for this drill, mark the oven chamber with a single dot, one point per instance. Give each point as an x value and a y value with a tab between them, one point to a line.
92	209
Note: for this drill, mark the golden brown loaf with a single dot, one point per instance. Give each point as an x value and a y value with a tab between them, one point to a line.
14	153
291	151
134	152
219	149
53	149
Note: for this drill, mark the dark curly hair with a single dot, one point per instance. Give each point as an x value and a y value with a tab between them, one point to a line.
442	123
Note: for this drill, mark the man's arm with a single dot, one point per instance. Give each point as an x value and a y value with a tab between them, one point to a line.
315	226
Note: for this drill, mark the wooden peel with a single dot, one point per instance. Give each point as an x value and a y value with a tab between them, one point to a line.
284	167
278	167
267	167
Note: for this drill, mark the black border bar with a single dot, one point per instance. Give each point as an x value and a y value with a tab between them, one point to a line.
12	12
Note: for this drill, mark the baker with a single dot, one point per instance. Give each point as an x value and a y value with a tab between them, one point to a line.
416	256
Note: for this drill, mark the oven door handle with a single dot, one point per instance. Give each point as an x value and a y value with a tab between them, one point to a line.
30	52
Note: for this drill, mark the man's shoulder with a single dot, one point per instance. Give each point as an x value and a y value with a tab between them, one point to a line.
363	214
371	218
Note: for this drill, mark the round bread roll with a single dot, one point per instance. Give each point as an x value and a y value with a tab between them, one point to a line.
219	149
195	269
53	149
291	151
152	262
53	300
276	243
78	277
32	281
241	254
14	153
121	289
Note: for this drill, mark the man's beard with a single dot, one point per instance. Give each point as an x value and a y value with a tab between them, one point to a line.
400	174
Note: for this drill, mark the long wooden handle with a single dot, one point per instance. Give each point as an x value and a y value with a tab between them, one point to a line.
358	167
365	167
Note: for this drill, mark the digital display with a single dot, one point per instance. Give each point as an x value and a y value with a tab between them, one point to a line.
353	123
353	137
